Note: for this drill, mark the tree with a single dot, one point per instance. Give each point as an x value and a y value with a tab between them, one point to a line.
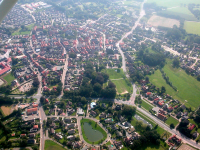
172	126
176	62
129	111
42	100
72	55
163	90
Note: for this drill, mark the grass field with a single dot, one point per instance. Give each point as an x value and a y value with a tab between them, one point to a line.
50	145
192	27
6	110
114	74
146	105
21	32
9	78
98	128
188	87
171	120
123	86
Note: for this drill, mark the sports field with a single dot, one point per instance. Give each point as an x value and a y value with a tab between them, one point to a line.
50	145
188	87
162	21
113	74
9	78
192	27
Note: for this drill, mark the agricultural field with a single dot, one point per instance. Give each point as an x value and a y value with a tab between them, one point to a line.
162	21
188	87
192	27
6	110
50	145
9	78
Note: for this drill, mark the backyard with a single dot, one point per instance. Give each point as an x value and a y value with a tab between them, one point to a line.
92	131
188	87
50	145
171	120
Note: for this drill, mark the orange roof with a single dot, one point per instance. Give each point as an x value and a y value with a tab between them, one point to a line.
35	105
35	127
32	110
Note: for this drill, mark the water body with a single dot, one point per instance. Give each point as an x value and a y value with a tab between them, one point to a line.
91	134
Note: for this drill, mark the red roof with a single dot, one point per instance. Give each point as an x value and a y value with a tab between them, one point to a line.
4	70
148	93
31	110
35	127
35	105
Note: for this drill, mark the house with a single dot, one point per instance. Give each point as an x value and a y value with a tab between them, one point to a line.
127	125
93	113
58	136
148	94
52	131
31	135
102	115
118	134
170	108
71	126
31	111
67	120
122	119
31	141
109	120
76	145
23	135
71	137
103	105
35	127
80	111
131	130
118	144
191	126
162	117
72	131
118	107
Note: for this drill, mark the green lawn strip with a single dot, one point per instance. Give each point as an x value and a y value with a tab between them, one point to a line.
123	85
188	87
171	120
21	32
98	128
114	74
9	78
50	145
108	143
146	105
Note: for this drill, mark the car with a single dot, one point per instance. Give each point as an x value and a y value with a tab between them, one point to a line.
26	116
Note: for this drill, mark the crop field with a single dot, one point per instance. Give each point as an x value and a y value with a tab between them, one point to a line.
192	27
6	110
188	87
162	21
50	145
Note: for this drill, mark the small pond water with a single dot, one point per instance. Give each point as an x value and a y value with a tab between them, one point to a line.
91	134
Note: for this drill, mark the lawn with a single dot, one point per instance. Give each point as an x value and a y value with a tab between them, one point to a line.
114	74
171	120
146	105
21	32
9	78
50	145
98	128
108	143
192	27
123	86
188	87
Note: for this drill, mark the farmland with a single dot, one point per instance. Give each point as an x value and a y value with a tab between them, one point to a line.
162	21
6	110
188	87
192	27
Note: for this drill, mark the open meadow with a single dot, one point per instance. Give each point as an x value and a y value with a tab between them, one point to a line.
6	110
50	145
188	87
192	27
162	21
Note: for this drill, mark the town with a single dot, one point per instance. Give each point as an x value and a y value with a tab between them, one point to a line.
102	77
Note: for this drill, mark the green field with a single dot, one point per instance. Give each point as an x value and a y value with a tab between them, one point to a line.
123	86
9	78
171	120
173	3
192	27
50	145
114	74
146	105
188	87
177	8
98	128
21	32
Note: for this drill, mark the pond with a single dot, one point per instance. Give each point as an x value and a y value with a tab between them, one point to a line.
91	134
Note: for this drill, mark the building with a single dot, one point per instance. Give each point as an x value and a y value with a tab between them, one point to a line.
31	111
80	111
